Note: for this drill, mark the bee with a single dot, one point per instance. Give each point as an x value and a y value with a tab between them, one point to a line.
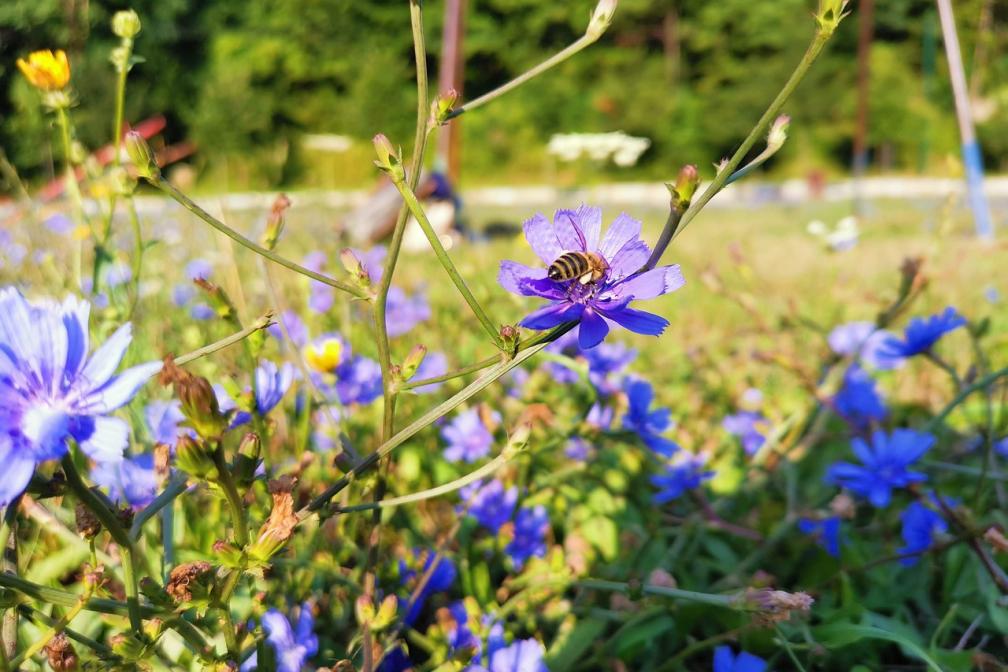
585	266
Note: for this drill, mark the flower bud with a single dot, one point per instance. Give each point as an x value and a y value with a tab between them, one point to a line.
778	133
601	18
510	335
61	654
190	581
279	527
684	188
413	361
199	401
442	106
248	459
389	160
830	14
519	438
126	24
46	70
142	157
364	610
192	457
120	58
275	221
229	555
88	525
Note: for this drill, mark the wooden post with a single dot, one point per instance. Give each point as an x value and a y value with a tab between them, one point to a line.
972	160
866	11
450	77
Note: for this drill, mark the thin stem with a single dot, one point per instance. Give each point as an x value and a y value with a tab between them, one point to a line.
442	255
787	647
430	416
174	488
138	252
668	231
965	392
554	60
237	337
54	629
41	617
73	189
118	532
459	483
727	601
227	485
165	186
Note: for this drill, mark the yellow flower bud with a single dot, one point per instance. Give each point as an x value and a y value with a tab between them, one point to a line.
126	24
46	70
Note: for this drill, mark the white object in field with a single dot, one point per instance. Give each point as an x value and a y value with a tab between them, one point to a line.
441	215
842	238
326	142
623	149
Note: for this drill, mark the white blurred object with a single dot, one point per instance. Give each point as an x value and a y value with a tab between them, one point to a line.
325	142
624	150
441	215
844	237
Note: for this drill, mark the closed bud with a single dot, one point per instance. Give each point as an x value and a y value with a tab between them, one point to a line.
199	401
510	335
218	299
413	361
830	14
142	157
88	525
275	221
778	133
248	459
684	188
192	457
519	438
126	24
389	160
601	18
364	610
120	57
442	106
386	613
229	555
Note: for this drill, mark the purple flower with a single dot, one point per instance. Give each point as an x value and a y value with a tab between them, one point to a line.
858	401
920	524
596	305
530	526
884	465
59	224
130	481
13	251
201	311
524	655
441	579
606	360
293	646
577	448
826	532
403	312
726	661
294	325
358	381
372	261
516	380
182	294
921	334
468	438
321	296
433	365
198	269
460	631
491	505
272	384
864	341
116	274
751	428
684	474
1001	447
163	419
600	417
646	423
52	391
325	428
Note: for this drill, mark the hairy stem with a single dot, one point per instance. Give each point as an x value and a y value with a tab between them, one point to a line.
165	186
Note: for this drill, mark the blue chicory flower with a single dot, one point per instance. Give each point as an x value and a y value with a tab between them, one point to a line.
433	365
403	312
884	465
920	524
858	399
294	325
600	417
865	342
826	532
606	361
272	383
131	481
646	423
51	391
59	224
163	420
750	427
595	305
441	579
577	448
460	630
202	312
358	380
321	296
921	334
293	645
523	655
490	504
686	472
726	661
530	527
467	436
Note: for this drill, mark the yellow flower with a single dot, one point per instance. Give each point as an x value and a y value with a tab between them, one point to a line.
46	70
324	355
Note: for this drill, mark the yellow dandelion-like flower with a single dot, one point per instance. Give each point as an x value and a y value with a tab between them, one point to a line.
324	356
46	70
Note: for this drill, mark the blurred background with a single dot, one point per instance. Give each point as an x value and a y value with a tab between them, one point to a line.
288	93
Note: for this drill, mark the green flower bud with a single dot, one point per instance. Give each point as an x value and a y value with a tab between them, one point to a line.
684	188
142	157
126	24
442	106
601	18
355	268
248	459
275	221
830	14
413	361
778	133
193	457
389	160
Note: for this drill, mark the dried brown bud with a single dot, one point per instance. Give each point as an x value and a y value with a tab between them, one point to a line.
183	578
996	539
162	462
61	654
275	221
88	525
199	401
775	606
282	520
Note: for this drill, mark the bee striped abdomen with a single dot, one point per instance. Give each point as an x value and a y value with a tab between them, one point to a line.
573	265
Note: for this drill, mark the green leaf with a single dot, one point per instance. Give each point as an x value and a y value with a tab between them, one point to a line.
601	533
839	635
567	650
636	637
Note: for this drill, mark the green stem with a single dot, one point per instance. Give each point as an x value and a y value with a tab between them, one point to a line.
175	488
431	415
48	621
138	252
237	337
727	601
120	105
165	186
73	189
53	630
111	522
459	483
227	485
442	255
552	61
965	392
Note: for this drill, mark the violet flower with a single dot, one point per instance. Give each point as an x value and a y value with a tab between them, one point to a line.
52	391
131	481
599	304
467	437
